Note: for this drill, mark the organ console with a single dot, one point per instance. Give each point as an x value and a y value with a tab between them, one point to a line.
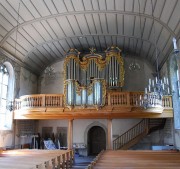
86	78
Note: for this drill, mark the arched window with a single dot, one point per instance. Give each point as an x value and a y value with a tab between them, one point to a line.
6	95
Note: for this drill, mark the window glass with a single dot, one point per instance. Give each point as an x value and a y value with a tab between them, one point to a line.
5	79
5	114
4	92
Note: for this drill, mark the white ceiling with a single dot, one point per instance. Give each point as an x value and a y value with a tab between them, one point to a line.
42	31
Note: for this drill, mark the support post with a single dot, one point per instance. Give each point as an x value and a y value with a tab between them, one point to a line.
109	147
70	133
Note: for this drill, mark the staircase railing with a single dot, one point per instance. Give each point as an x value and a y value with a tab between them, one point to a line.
131	134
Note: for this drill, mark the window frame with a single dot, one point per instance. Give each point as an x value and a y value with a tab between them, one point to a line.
7	115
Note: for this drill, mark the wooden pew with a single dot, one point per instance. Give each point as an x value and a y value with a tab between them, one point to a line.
43	159
131	159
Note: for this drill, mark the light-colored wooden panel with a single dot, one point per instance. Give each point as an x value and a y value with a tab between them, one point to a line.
175	18
104	25
33	33
120	23
119	4
112	24
60	6
49	29
87	4
82	24
95	5
74	24
51	6
97	23
90	23
128	5
110	5
31	8
168	8
78	5
65	26
128	25
147	28
8	26
42	31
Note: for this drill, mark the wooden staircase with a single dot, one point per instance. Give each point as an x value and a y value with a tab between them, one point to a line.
137	132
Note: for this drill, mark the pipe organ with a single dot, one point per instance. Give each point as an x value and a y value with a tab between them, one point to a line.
87	78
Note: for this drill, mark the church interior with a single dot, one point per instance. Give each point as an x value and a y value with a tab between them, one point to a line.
90	78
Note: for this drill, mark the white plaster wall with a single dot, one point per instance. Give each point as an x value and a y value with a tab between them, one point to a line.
177	138
51	123
79	127
28	83
136	80
119	126
6	138
53	83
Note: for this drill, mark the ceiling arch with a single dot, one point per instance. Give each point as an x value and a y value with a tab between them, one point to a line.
42	31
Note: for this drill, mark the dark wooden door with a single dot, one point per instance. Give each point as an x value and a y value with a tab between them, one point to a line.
96	140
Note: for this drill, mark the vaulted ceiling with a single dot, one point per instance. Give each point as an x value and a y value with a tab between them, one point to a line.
37	33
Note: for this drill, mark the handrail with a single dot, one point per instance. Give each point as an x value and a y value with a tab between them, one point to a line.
39	100
129	135
114	99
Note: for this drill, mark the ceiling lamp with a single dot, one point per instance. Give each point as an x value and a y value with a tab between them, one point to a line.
157	88
49	71
134	66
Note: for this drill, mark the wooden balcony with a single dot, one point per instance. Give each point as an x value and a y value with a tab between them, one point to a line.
118	105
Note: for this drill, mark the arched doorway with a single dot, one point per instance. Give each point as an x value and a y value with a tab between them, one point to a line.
96	140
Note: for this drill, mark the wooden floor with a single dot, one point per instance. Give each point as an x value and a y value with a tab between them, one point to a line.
33	159
136	159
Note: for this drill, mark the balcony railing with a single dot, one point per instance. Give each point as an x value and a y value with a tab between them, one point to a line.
120	99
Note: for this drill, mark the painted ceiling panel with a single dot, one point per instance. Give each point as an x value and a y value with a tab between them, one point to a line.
167	10
163	39
103	23
60	6
66	26
128	24
8	16
82	24
50	6
56	27
90	22
112	24
48	29
149	8
3	31
110	4
42	31
159	8
120	23
147	28
5	23
11	7
34	33
95	5
10	48
78	5
174	22
102	4
87	4
97	23
129	5
13	42
119	5
31	8
41	7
